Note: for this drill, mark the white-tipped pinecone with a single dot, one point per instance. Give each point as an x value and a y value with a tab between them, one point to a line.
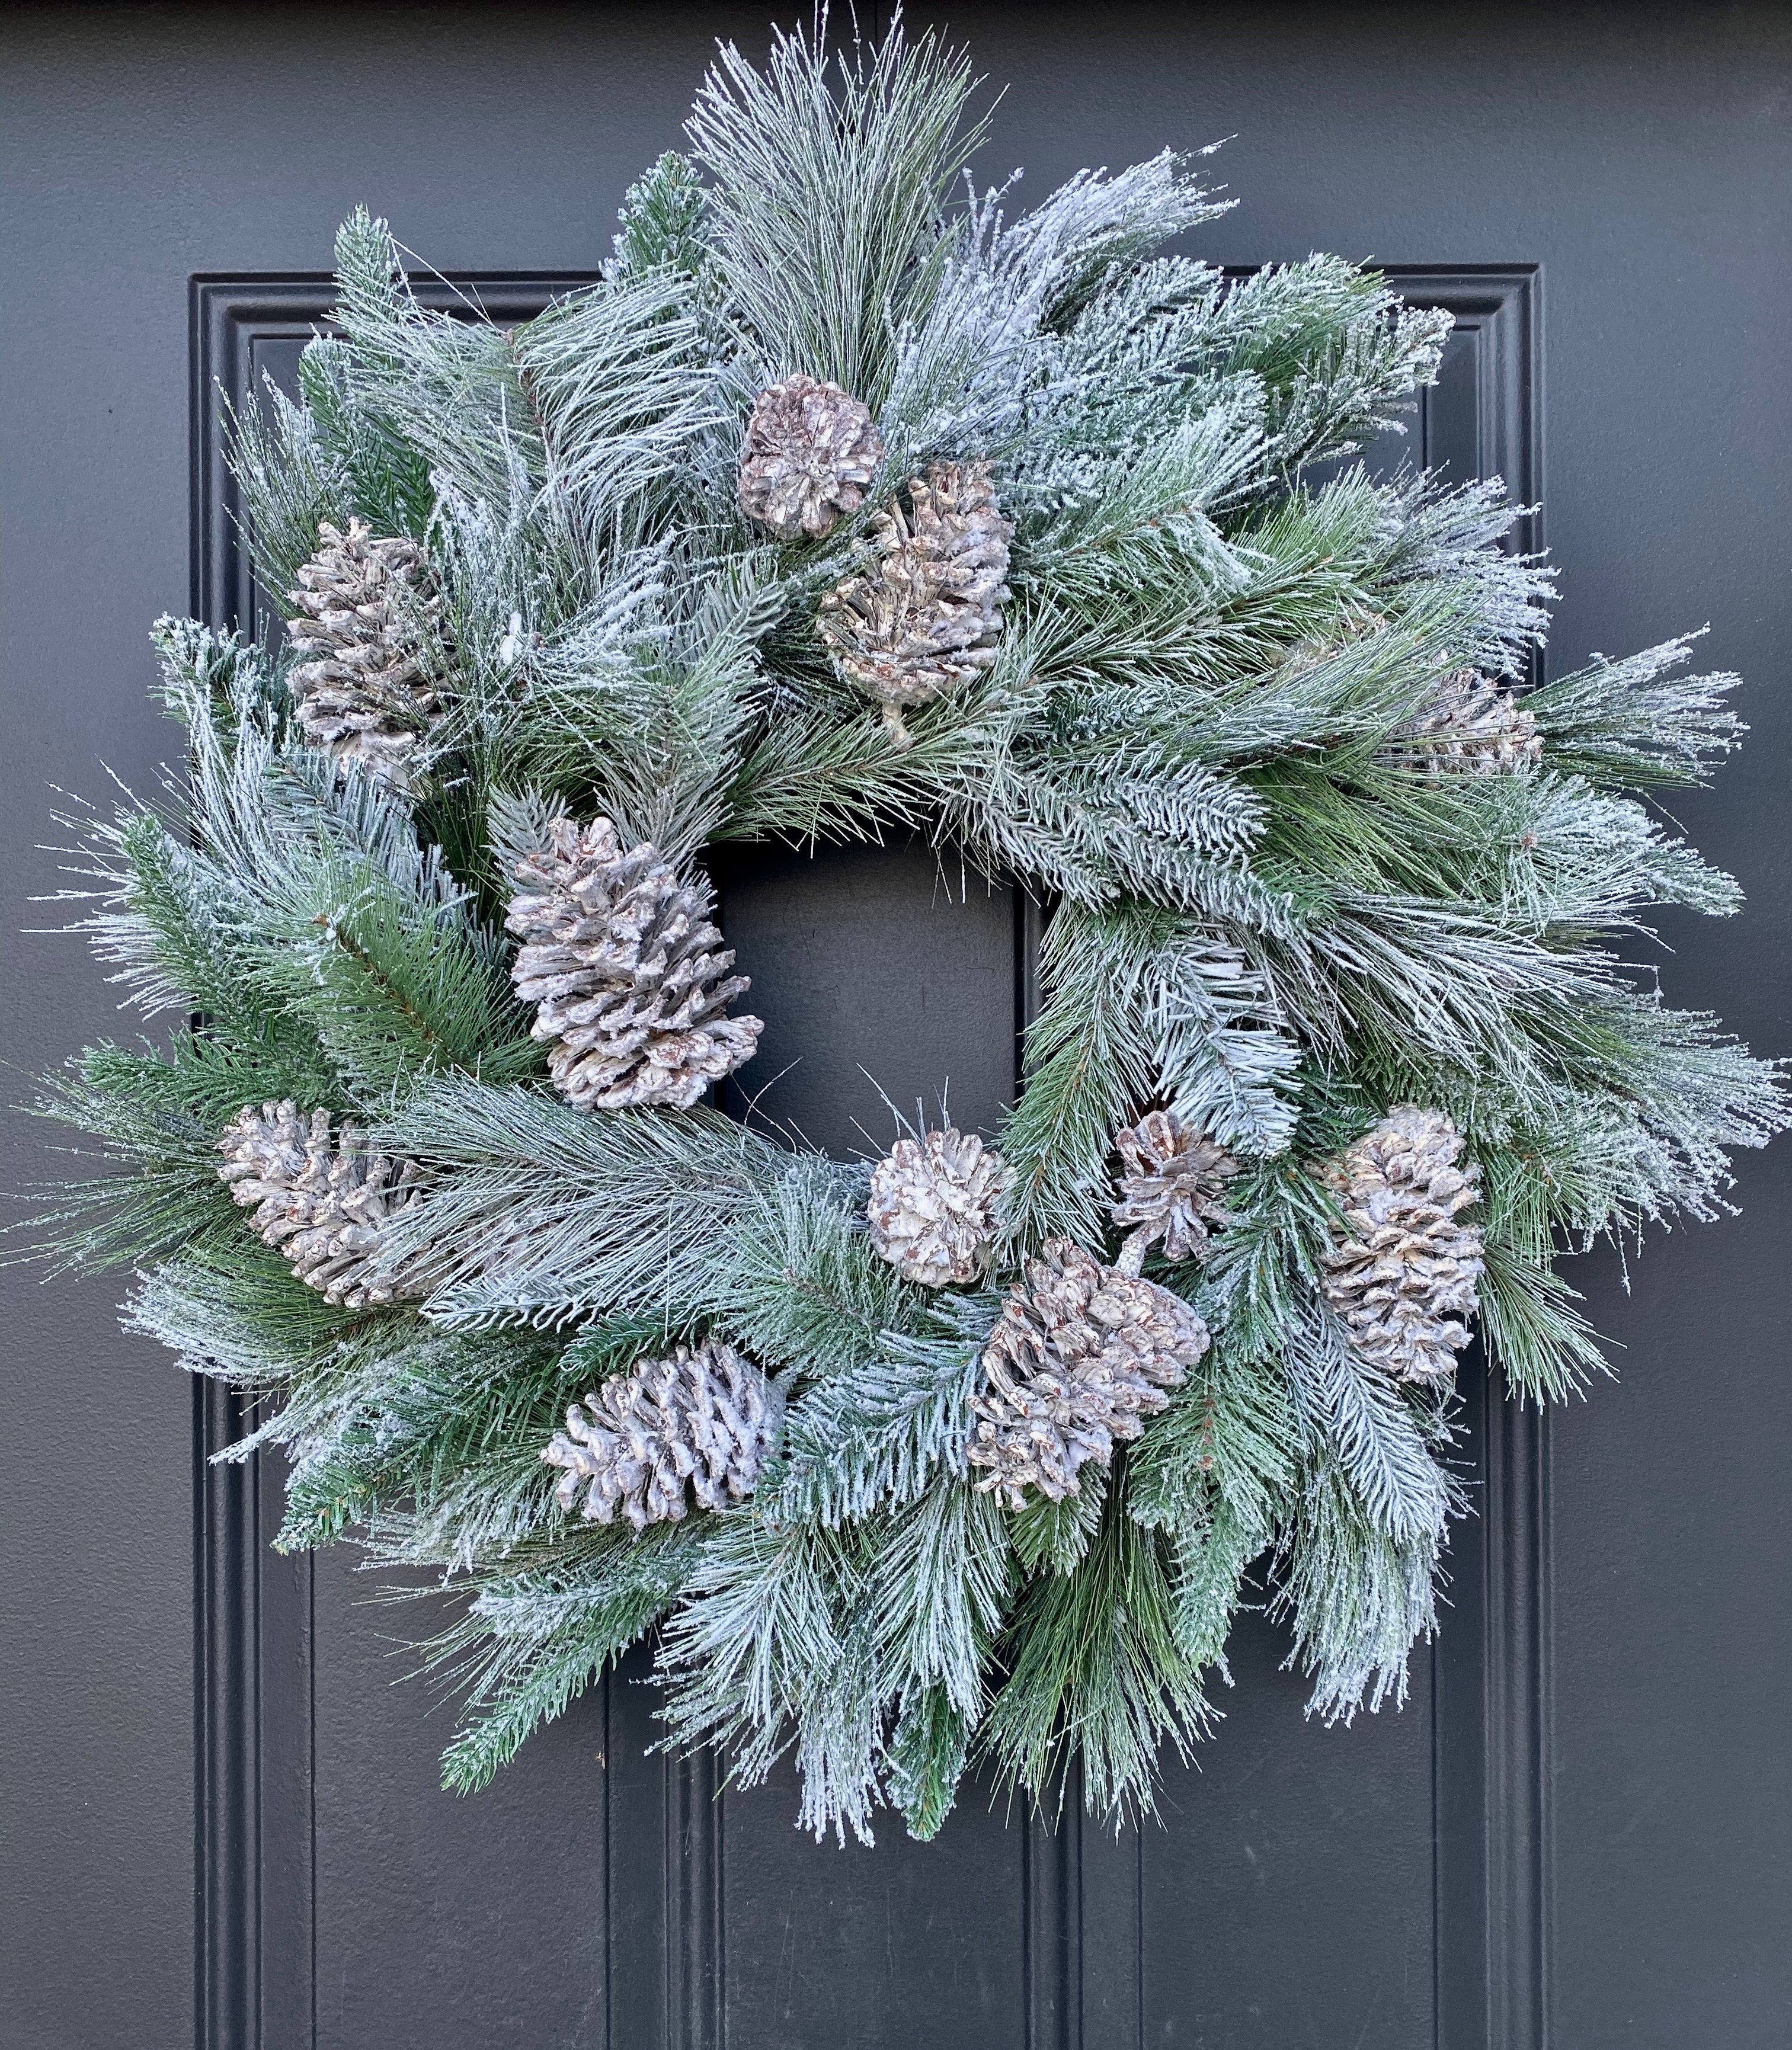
927	616
1402	1274
1170	1190
1081	1355
324	1203
367	608
809	451
1471	728
628	975
932	1207
699	1425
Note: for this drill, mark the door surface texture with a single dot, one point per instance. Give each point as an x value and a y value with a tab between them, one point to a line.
223	1825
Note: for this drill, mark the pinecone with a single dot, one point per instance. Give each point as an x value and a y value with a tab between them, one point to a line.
629	975
1171	1188
708	1418
324	1204
932	1207
1471	728
1402	1273
1081	1356
366	609
927	616
810	449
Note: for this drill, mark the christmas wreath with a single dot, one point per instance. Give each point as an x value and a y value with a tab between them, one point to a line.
846	501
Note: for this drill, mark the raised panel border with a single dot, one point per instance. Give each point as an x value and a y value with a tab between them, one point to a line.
1491	1747
255	1961
255	1966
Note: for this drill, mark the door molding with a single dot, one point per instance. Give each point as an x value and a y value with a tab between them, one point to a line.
254	1965
1491	1747
254	1849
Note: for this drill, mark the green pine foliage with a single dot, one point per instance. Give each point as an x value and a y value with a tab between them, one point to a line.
1262	914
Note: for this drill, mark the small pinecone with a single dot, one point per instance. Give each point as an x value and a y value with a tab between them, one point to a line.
811	448
932	1207
365	610
1471	728
1081	1356
927	616
324	1204
706	1419
629	975
1171	1189
1403	1275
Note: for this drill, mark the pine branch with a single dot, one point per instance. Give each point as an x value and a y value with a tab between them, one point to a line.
1095	1661
875	1434
531	1643
826	195
1635	723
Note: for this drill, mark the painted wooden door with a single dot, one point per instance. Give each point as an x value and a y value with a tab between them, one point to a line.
228	1828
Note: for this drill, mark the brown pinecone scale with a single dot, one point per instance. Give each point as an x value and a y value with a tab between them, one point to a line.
1403	1272
626	970
809	451
324	1203
1081	1356
1173	1177
1471	728
694	1428
925	617
366	610
933	1205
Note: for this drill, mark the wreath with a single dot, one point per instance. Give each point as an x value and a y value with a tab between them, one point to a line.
844	503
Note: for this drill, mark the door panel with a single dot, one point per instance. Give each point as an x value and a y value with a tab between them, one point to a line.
906	1944
885	977
1285	1825
596	1886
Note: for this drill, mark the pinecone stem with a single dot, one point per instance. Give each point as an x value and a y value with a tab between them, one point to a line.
901	738
1132	1261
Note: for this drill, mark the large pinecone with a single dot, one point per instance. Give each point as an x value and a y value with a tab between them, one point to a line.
809	451
629	975
366	610
932	1207
1471	728
1080	1357
927	616
703	1421
1170	1190
1402	1274
324	1203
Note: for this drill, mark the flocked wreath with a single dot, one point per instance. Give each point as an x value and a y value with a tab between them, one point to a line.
845	502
